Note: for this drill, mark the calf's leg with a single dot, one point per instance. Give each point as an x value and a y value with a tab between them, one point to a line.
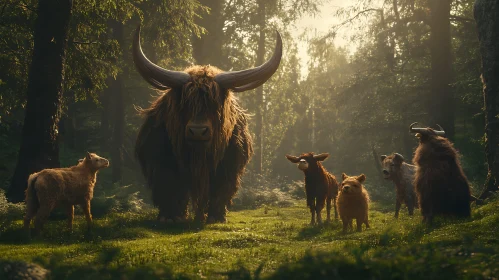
318	209
42	215
70	212
88	215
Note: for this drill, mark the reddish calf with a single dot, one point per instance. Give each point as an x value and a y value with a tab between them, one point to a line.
320	185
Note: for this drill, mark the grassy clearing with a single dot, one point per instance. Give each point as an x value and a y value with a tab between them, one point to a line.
265	242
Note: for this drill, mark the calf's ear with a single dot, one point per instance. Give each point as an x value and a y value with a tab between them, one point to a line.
383	157
361	178
88	156
321	157
80	160
293	159
343	176
398	158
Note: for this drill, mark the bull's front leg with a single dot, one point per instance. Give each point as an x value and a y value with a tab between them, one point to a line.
170	194
218	202
222	189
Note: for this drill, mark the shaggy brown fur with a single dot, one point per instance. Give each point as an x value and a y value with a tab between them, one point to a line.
402	175
441	185
175	170
353	202
320	185
64	187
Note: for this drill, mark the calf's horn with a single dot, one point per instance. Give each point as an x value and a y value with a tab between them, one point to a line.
440	132
413	129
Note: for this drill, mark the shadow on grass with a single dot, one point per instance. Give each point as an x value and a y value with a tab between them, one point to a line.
114	227
310	232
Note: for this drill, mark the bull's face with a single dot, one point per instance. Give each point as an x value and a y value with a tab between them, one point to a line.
391	165
307	161
201	109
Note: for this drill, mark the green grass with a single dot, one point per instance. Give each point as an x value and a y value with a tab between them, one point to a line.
266	242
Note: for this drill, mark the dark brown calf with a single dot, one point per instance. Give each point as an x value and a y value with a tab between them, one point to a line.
320	185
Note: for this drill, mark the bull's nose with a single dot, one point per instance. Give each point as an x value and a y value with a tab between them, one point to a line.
198	131
385	172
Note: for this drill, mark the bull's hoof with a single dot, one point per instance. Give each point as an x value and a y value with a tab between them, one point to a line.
216	219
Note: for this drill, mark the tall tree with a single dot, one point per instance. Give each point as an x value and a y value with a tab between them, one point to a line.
441	99
207	48
39	146
486	13
260	107
116	90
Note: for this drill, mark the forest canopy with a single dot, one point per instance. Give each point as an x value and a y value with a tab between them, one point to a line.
353	105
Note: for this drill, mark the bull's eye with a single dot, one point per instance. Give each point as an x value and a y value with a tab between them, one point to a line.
392	164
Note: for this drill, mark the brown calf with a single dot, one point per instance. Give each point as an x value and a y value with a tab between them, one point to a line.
353	202
64	187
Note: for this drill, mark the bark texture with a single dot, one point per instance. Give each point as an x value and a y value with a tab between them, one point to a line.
486	13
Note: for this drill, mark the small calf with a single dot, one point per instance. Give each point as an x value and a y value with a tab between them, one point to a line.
402	175
353	202
320	185
63	187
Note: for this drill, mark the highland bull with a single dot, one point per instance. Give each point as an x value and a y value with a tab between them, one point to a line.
441	186
195	142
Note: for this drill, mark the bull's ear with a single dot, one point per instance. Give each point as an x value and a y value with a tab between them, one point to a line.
398	157
361	178
293	159
321	157
88	156
344	176
383	157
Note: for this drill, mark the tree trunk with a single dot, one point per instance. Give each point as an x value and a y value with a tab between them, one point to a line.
208	48
441	99
116	89
39	147
105	123
486	14
258	157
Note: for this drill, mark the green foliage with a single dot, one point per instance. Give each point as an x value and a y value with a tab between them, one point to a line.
9	212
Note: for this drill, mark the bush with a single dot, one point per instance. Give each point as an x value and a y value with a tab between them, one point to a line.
119	199
9	212
257	190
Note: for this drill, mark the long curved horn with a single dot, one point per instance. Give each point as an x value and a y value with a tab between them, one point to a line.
158	77
412	129
252	78
440	132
